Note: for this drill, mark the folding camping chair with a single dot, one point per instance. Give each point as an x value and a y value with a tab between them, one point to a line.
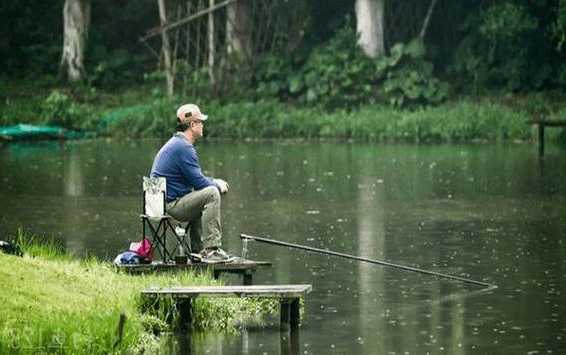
156	221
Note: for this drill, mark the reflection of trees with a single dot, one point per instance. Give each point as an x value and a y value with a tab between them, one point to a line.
73	178
371	243
70	204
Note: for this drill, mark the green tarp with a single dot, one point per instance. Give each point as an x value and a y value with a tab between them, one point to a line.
27	131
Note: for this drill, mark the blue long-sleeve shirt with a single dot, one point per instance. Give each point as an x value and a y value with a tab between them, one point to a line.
177	162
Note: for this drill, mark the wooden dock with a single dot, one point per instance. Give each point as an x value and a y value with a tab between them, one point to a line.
289	297
245	268
542	124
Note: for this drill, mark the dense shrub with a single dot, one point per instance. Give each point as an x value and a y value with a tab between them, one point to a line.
338	75
409	78
61	110
502	49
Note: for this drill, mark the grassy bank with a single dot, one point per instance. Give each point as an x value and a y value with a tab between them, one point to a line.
143	112
53	302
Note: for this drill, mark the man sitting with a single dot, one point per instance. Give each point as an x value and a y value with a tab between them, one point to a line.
191	196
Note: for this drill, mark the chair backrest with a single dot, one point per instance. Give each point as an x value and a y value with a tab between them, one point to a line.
154	190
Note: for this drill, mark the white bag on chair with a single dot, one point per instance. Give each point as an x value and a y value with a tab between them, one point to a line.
155	190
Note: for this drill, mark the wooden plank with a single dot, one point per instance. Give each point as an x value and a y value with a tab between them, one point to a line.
155	31
549	123
264	291
236	266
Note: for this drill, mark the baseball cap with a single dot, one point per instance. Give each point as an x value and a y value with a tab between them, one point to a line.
189	112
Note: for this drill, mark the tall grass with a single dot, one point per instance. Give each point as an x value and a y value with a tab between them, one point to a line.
52	302
461	121
142	112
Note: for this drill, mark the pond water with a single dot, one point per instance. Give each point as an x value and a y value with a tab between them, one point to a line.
492	213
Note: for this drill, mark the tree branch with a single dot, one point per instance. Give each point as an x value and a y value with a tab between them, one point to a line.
427	19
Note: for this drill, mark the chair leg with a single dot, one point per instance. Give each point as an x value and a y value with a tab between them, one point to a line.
180	240
159	238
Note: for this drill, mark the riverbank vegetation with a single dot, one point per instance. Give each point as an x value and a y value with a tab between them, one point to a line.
54	302
439	72
140	113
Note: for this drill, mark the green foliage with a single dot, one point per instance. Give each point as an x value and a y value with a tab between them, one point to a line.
558	28
500	50
409	79
57	304
59	109
461	121
274	76
32	37
35	246
155	118
338	75
115	68
505	21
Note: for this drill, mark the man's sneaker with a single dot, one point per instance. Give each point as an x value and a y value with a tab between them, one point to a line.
215	256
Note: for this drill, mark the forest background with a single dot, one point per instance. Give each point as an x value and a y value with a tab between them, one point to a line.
414	70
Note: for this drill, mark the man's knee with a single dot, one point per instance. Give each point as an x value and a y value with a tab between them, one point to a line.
212	193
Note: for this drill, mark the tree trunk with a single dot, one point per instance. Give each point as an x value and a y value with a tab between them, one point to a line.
166	50
211	44
76	21
238	34
370	18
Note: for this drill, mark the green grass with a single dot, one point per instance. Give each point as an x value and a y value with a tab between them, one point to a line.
143	112
463	120
53	302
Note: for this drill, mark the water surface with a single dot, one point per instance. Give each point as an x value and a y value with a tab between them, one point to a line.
492	213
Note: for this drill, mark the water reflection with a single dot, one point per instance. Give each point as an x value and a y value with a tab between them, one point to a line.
73	186
371	244
479	211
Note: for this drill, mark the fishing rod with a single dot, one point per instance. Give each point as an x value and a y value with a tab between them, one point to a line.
367	260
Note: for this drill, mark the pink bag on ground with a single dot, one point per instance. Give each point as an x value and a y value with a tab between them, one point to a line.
143	249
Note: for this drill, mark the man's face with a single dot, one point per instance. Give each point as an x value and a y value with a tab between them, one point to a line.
197	127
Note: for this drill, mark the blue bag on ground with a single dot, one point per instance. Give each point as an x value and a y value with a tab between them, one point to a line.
128	258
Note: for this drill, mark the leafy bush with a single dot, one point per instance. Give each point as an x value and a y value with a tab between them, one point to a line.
338	75
409	78
499	49
59	109
114	68
274	77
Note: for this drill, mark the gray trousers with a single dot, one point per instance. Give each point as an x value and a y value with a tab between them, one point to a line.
201	209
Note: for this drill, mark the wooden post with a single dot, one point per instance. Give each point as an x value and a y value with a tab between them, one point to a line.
248	278
541	139
290	314
295	314
285	313
289	343
185	308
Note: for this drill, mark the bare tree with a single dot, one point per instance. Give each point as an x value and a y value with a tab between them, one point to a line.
166	51
211	44
76	21
238	31
370	19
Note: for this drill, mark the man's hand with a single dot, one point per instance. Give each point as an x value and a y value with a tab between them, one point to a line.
223	185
